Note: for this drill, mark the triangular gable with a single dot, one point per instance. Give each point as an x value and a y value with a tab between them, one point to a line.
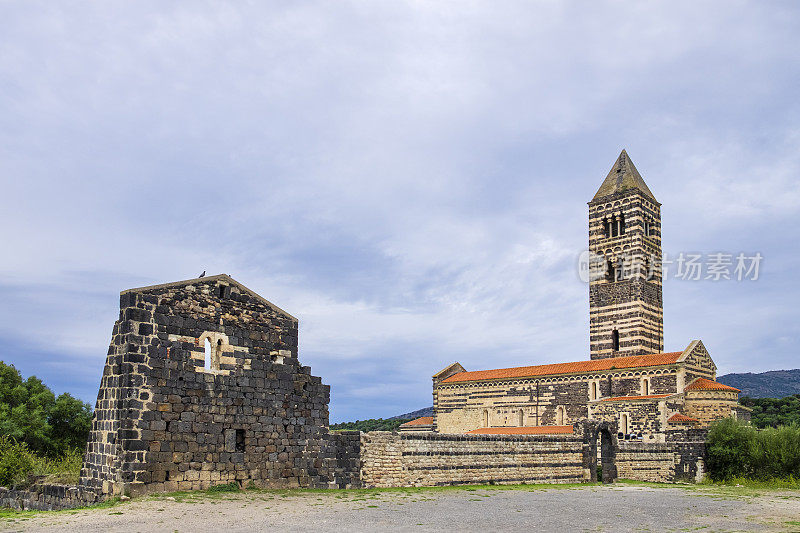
219	277
451	370
697	356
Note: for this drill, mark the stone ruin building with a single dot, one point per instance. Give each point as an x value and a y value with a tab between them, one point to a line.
202	385
651	396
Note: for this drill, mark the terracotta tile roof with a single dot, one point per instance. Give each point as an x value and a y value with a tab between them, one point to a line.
707	384
678	418
421	421
632	361
527	430
624	398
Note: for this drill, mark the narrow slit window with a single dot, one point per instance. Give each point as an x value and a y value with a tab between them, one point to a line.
486	418
521	418
615	340
207	359
240	440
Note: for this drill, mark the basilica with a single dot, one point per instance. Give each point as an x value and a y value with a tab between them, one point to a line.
628	379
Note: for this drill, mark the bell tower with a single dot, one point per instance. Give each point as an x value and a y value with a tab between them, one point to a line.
626	311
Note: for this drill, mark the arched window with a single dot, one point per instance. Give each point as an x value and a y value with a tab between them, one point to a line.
593	393
623	424
615	340
614	227
207	358
645	386
520	418
561	416
486	418
621	224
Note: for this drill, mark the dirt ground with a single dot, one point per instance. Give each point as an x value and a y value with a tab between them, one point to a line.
619	507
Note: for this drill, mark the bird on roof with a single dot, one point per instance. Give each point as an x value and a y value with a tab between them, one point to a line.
202	275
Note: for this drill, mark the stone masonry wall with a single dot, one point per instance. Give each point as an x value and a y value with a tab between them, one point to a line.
661	462
390	459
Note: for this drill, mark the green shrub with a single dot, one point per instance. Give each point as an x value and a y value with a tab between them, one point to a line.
63	470
736	450
16	461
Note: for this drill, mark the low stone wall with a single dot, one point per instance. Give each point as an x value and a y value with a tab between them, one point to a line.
661	462
646	461
391	459
47	498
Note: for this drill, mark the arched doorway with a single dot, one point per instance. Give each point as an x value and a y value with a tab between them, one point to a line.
601	447
607	469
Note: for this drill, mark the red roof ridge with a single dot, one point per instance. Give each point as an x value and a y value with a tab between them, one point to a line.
523	430
421	421
644	397
631	361
708	384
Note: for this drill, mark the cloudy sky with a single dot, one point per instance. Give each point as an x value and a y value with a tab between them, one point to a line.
408	178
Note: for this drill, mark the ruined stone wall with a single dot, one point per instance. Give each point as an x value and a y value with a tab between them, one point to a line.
646	461
662	462
166	419
390	459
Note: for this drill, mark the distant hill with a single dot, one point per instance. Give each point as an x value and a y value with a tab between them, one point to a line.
425	411
772	384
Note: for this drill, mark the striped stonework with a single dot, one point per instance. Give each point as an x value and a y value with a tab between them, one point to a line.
625	230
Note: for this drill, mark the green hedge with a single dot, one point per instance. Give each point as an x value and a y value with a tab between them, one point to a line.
372	424
737	450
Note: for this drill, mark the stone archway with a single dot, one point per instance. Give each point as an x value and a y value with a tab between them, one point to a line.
603	435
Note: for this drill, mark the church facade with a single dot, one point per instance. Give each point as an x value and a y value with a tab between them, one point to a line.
629	379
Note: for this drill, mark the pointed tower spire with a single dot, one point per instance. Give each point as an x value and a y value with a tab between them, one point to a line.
623	176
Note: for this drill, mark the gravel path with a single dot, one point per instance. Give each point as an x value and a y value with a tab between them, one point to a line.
619	507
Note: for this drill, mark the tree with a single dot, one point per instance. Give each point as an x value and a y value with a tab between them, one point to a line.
30	413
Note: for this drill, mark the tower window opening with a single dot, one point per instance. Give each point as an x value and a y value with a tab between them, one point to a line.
621	224
614	227
606	228
615	340
609	271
